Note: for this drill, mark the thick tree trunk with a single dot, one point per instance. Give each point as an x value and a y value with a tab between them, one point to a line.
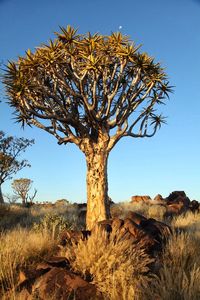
98	207
96	152
1	196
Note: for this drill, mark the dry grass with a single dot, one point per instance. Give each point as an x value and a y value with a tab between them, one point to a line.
16	215
189	222
180	275
157	212
19	248
116	265
121	209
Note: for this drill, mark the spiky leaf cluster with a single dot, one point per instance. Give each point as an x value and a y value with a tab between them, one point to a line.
80	85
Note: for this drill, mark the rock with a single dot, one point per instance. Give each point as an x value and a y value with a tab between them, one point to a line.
133	228
105	225
158	230
56	261
82	206
61	284
117	224
82	217
172	196
175	209
135	217
140	199
194	206
62	202
178	197
73	236
158	198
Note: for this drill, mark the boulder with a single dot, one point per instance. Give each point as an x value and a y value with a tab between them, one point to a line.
159	232
117	224
140	199
73	236
178	197
82	206
135	217
62	284
158	198
194	206
133	228
175	209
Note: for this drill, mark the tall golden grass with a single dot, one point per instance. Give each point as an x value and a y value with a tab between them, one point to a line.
116	265
179	277
20	248
119	268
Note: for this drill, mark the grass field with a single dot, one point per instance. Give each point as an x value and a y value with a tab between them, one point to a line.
30	235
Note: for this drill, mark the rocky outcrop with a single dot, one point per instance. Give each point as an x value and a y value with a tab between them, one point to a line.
176	203
54	280
149	233
140	199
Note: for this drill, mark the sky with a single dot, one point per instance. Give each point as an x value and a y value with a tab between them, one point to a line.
170	32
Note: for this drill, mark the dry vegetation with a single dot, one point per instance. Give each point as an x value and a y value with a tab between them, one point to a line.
118	270
115	266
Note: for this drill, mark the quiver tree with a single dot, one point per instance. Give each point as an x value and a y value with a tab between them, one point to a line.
90	90
10	149
21	188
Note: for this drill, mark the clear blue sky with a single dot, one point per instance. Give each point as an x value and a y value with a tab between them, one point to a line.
169	31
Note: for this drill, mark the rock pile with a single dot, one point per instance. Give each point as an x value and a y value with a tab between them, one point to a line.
149	233
176	203
53	279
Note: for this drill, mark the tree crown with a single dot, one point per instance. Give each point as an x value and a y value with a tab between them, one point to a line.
10	149
80	86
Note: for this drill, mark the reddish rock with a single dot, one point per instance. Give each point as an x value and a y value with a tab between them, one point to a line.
142	199
178	197
117	224
73	236
61	284
157	232
133	228
105	225
56	261
135	217
158	198
175	209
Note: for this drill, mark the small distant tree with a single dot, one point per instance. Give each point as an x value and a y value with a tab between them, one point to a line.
11	198
21	188
90	90
10	149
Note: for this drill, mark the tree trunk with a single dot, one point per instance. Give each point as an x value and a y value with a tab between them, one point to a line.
1	196
98	207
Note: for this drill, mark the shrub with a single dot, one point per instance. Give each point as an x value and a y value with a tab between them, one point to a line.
52	224
116	265
157	212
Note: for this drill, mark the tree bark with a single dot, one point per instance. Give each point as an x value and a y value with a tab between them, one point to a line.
1	196
97	188
96	153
